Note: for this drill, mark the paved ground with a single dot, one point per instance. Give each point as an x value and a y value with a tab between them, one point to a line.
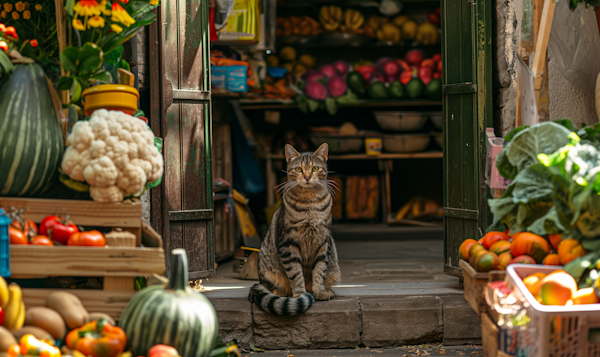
393	293
405	351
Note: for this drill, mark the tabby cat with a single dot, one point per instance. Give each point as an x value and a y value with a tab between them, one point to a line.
298	260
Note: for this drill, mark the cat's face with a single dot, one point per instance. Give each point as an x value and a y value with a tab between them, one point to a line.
307	169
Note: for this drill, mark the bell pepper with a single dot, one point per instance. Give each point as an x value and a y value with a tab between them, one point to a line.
97	339
31	346
163	351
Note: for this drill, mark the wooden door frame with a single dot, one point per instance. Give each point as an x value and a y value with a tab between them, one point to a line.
163	96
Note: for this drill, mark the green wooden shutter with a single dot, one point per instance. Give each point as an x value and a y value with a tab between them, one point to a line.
467	106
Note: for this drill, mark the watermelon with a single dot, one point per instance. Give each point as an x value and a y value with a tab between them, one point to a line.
173	315
31	141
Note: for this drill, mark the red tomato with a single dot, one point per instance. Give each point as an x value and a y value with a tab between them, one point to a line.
29	225
53	227
492	237
41	240
16	236
437	57
88	239
162	351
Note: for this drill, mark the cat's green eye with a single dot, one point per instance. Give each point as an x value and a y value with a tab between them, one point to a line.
315	168
298	169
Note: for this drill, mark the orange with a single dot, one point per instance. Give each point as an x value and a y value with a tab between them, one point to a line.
557	288
555	240
530	244
585	296
534	282
463	251
569	250
504	260
552	259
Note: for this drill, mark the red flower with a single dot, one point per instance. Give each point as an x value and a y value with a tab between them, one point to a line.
3	46
12	32
123	1
2	27
34	43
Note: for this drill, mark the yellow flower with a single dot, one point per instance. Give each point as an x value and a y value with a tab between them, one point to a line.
26	15
96	21
16	15
116	28
20	6
8	7
38	7
103	8
120	15
78	25
154	2
3	14
87	8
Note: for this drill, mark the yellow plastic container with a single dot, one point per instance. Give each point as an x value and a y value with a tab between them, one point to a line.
373	146
110	97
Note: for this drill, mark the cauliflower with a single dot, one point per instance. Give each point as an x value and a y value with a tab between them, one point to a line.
114	153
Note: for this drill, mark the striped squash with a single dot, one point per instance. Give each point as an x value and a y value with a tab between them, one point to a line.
31	142
174	315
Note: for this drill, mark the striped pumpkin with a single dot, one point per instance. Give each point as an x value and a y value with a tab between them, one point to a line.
174	315
31	142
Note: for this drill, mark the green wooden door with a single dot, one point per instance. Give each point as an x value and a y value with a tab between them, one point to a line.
182	207
467	106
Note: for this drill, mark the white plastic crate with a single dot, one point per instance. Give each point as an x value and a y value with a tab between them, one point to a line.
554	331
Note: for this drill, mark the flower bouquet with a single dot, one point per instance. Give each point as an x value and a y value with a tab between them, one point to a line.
101	27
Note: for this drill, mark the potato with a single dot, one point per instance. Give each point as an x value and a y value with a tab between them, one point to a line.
47	319
39	333
94	316
69	307
6	339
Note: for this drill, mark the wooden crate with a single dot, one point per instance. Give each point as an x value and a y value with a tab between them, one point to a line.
474	284
116	265
489	335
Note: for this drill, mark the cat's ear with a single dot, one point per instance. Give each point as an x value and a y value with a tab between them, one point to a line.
322	151
290	153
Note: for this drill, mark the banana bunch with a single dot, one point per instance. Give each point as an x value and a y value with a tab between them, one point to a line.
419	207
375	22
409	30
428	34
353	19
389	32
331	17
11	298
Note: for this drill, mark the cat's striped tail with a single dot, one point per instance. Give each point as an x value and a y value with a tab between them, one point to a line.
273	304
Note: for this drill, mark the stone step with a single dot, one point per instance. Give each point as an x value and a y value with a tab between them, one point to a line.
350	320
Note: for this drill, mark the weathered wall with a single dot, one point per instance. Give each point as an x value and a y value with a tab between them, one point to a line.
568	99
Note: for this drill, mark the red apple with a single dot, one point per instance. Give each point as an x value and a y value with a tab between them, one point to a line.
437	57
426	74
414	57
439	67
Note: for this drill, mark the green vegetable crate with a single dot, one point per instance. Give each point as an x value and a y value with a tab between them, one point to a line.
117	265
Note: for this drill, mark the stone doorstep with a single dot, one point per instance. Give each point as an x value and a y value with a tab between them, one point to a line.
347	322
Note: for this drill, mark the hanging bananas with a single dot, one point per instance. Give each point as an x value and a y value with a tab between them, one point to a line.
331	17
353	19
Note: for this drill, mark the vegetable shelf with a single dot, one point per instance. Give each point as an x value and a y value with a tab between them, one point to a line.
249	104
116	265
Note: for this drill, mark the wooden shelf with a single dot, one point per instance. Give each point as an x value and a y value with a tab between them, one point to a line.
249	104
31	260
417	155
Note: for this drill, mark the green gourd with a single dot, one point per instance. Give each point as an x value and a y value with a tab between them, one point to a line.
174	315
31	141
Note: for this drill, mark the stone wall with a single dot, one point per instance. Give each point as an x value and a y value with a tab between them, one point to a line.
568	98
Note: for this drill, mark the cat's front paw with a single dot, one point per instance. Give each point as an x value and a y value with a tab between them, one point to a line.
324	295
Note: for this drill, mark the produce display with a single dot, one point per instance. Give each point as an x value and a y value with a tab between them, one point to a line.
343	83
393	30
115	154
52	230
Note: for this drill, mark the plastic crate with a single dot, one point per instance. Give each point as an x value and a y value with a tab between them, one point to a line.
554	331
4	244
